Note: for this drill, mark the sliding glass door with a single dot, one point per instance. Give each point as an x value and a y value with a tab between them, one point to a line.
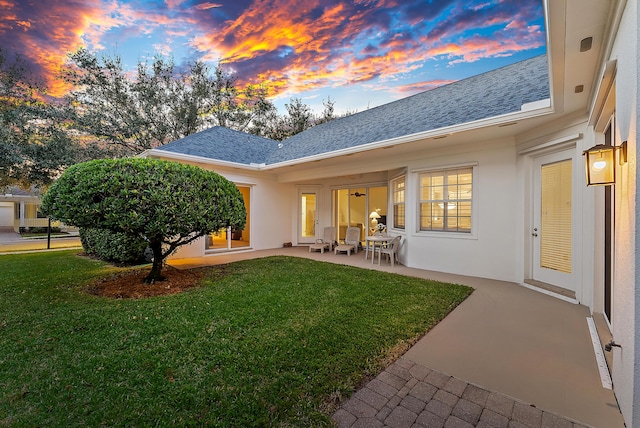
361	207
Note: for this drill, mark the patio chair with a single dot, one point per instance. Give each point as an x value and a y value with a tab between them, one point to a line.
390	251
328	238
351	241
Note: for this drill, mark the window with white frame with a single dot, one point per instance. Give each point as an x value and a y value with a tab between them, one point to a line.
446	199
398	190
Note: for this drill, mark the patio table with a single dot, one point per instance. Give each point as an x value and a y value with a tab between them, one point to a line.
373	240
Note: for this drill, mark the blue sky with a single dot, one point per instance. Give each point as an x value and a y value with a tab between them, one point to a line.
361	53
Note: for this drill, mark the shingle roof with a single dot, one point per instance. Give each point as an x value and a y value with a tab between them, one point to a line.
224	144
491	94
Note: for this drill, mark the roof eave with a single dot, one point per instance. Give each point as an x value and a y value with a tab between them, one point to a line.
200	159
528	111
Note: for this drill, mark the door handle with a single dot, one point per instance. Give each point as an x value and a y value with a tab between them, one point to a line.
535	231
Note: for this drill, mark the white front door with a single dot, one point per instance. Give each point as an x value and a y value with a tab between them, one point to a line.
307	216
553	219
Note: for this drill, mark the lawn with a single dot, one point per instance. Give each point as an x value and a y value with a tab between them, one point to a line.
267	342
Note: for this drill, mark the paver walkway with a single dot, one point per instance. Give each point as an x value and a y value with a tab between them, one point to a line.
409	395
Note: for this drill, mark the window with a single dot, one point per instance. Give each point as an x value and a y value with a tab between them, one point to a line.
445	200
398	189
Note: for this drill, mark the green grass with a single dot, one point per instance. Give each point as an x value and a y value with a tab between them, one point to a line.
265	342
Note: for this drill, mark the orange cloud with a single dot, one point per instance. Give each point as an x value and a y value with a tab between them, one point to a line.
301	46
47	31
290	45
310	45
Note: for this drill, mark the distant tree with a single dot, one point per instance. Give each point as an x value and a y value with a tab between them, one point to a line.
34	146
168	204
300	116
229	106
328	114
161	104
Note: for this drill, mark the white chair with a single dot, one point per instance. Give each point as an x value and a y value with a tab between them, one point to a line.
328	238
391	250
351	241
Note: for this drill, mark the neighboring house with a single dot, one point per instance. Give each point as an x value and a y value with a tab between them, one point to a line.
21	210
483	177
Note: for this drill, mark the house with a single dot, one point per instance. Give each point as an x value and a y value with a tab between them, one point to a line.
21	210
482	177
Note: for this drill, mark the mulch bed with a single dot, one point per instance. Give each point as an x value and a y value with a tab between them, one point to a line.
131	285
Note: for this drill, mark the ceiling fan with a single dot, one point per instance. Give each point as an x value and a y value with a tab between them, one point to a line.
358	194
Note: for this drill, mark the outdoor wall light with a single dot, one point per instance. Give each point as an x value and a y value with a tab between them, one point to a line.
600	163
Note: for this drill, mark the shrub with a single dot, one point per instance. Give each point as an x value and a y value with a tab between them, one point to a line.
113	247
166	203
38	229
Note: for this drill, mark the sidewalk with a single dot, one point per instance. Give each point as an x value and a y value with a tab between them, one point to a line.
11	241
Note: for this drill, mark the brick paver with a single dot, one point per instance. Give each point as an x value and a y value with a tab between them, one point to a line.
407	395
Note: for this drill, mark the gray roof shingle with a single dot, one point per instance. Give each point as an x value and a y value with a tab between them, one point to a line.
487	95
224	144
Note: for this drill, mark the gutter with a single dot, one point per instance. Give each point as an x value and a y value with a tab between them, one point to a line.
527	111
200	159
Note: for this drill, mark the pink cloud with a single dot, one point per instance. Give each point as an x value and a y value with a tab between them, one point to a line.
206	6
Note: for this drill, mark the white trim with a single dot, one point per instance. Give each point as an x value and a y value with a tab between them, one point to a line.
315	189
605	377
450	130
391	214
550	293
553	145
200	159
400	174
560	279
605	84
445	167
360	184
447	234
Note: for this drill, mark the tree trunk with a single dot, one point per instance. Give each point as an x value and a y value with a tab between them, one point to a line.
156	268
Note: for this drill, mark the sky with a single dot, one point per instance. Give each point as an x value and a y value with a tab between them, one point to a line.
358	53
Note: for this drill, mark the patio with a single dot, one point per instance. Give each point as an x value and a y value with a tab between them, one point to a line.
504	338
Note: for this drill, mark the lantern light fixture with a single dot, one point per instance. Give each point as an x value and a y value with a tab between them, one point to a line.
600	163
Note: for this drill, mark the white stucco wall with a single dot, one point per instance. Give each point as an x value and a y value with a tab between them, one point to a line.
271	201
489	251
626	299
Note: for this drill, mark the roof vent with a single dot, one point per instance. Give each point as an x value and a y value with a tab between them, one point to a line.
578	89
280	145
585	44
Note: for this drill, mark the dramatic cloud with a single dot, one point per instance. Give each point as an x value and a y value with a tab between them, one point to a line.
301	46
291	46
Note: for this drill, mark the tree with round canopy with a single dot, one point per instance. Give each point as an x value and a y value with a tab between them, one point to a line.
166	203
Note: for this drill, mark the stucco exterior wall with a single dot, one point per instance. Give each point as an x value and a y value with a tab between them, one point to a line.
626	299
270	226
489	251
